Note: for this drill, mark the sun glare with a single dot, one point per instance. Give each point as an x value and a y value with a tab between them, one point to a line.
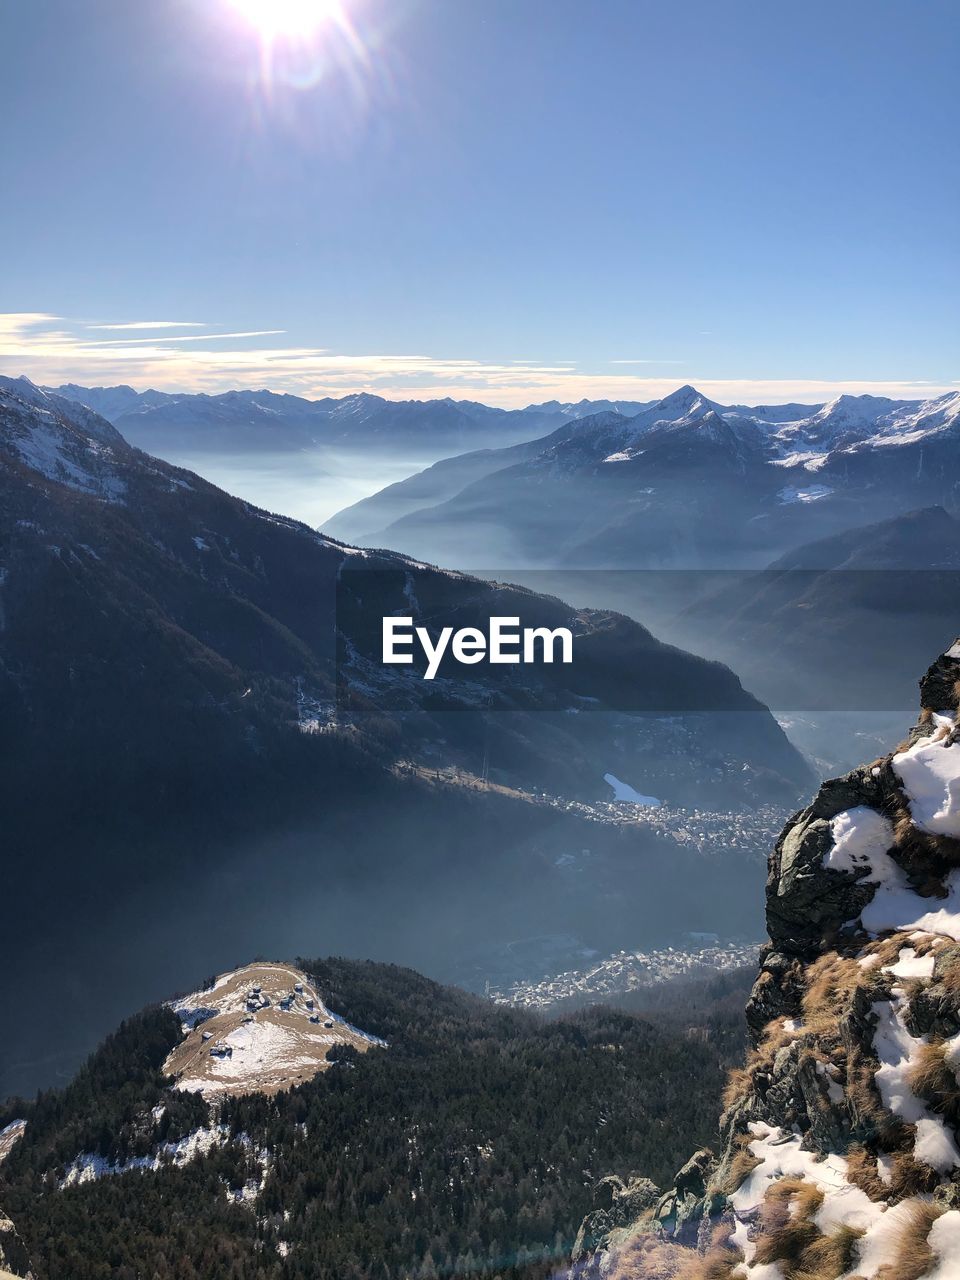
287	19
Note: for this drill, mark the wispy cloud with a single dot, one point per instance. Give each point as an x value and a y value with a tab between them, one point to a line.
151	324
51	350
190	337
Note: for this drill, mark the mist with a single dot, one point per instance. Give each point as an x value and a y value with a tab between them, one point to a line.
309	485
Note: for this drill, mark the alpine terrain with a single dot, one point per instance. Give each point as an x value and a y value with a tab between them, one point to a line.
839	1149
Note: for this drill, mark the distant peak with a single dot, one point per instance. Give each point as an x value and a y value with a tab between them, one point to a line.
683	398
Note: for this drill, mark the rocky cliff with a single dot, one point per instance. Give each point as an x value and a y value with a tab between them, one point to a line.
839	1151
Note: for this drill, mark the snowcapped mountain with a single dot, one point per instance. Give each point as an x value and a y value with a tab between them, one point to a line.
685	482
840	1141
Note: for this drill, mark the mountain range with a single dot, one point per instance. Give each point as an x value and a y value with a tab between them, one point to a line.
194	714
265	420
684	483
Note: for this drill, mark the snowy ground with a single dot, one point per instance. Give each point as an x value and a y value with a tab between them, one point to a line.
259	1029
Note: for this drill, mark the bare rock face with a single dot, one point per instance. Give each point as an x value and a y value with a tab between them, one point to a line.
839	1151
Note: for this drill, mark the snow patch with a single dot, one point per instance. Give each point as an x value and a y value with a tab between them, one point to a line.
812	493
623	791
930	774
899	1052
861	838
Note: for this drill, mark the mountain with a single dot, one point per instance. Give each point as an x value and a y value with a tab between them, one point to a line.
195	722
685	483
233	421
839	1147
798	630
448	1136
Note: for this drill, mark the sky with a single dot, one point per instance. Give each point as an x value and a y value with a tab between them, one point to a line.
504	200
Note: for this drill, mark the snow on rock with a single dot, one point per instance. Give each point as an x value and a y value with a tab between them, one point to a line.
898	1053
930	774
10	1136
623	791
782	1156
910	965
861	838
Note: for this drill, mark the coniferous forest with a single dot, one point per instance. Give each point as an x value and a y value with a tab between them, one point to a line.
470	1145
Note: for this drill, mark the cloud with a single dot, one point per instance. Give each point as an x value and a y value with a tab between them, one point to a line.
189	337
51	350
151	324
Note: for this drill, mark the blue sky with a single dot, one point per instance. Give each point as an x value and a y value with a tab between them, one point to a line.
502	199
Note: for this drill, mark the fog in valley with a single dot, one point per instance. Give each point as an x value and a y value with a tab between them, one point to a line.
310	484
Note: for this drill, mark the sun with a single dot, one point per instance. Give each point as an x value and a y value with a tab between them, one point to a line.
287	19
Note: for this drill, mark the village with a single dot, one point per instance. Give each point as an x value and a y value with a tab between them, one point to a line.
699	955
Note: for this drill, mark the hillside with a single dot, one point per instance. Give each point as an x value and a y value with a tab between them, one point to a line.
839	1142
469	1143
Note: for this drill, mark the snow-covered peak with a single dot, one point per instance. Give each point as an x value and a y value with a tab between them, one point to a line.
59	440
685	402
920	419
859	411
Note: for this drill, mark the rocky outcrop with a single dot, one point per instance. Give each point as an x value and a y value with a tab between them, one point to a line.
839	1150
618	1204
14	1261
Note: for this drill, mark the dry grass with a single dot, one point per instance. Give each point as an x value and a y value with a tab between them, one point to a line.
741	1166
648	1258
908	1177
739	1085
924	856
914	1257
932	1079
831	981
949	970
862	1172
791	1239
718	1264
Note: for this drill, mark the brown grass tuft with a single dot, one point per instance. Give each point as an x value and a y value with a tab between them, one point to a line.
791	1238
862	1172
914	1257
831	982
648	1257
741	1166
932	1079
908	1177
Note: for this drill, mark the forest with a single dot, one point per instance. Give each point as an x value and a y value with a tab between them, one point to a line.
470	1145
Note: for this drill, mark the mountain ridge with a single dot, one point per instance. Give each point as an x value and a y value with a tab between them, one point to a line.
684	483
